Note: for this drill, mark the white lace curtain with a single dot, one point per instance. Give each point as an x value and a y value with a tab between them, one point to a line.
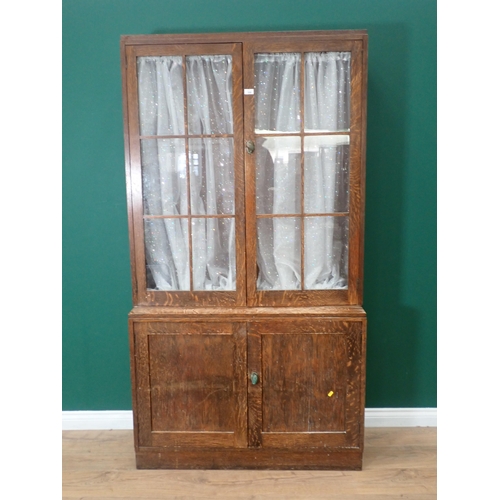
326	165
165	184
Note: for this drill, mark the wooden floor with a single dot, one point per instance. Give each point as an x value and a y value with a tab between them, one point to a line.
399	463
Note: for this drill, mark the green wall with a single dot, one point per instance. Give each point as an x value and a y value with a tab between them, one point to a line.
400	249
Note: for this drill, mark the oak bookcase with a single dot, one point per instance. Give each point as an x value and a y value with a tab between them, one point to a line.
245	165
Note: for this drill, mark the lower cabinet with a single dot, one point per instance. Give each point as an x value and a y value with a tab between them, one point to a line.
271	393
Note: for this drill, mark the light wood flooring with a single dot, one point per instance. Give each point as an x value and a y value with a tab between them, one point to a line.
399	463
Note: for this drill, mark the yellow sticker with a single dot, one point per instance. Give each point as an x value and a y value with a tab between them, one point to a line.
330	394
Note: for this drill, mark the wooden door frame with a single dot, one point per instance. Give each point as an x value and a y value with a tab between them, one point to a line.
311	43
142	295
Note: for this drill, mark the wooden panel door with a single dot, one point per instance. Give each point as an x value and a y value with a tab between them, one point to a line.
190	384
311	383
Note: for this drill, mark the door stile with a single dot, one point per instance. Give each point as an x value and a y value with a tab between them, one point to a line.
254	389
249	135
239	175
135	181
240	375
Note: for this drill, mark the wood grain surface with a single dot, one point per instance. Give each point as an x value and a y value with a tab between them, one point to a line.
193	392
190	384
399	463
205	313
242	47
195	353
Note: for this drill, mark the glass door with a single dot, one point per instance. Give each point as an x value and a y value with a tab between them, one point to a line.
305	124
185	109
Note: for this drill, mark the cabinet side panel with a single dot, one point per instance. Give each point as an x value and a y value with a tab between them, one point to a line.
133	379
356	201
363	386
143	391
364	98
355	389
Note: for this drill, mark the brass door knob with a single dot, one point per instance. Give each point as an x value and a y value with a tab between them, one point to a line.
250	145
254	378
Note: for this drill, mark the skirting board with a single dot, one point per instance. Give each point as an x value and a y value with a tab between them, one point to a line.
374	417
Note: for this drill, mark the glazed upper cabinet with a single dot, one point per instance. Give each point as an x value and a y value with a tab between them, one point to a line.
245	180
245	170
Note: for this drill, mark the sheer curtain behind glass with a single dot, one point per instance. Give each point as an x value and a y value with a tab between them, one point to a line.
326	169
165	180
161	112
327	91
277	110
210	111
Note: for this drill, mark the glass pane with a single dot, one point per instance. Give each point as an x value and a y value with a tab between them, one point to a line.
278	253
214	255
277	175
167	254
210	94
211	170
327	93
277	92
164	184
326	252
161	95
326	174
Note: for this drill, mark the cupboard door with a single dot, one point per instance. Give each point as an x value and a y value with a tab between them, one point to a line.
190	384
304	111
185	172
311	383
